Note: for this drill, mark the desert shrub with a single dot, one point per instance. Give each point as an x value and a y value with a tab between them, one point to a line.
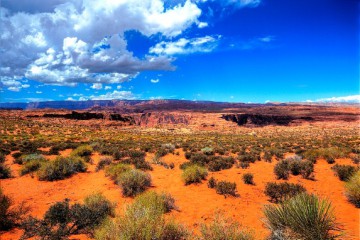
247	157
31	165
162	200
135	154
5	171
330	160
267	156
2	157
83	151
104	161
142	220
248	178
17	157
187	155
355	158
302	217
312	155
186	165
133	182
307	169
294	165
217	163
115	170
212	182
194	174
243	165
226	188
32	157
171	165
344	172
62	220
279	192
352	189
221	228
281	169
199	159
207	151
61	168
10	216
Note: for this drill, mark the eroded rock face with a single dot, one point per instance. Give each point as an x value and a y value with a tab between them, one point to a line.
161	118
258	119
75	115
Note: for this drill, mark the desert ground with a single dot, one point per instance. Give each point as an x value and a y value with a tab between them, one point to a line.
172	138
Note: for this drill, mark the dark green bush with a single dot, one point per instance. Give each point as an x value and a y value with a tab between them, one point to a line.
61	168
212	182
10	216
194	174
62	220
248	178
2	158
344	172
302	217
226	188
133	182
218	163
83	151
104	161
247	157
115	170
244	165
281	169
5	171
199	159
31	166
279	192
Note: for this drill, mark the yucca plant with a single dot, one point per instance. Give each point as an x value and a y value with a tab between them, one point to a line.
352	189
304	216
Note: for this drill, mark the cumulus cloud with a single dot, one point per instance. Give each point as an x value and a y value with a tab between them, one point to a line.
97	86
186	46
62	42
154	80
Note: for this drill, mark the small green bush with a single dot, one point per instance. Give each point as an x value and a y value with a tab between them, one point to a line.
222	228
83	151
133	182
279	192
62	220
60	168
218	163
352	189
344	172
226	188
10	216
194	174
5	171
2	157
212	182
207	151
302	217
104	161
115	170
281	169
248	178
143	219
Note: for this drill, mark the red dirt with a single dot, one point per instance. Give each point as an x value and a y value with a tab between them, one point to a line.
197	203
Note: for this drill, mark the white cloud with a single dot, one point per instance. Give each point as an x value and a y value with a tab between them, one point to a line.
118	87
38	92
107	87
70	99
345	99
186	46
154	80
97	86
115	95
25	85
59	42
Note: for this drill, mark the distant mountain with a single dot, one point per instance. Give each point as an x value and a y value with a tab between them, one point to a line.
127	105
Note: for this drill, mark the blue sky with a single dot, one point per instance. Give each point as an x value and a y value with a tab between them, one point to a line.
218	50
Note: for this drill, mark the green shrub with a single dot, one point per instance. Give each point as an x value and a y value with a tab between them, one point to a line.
344	172
199	159
302	217
226	188
62	220
142	220
248	178
352	189
104	161
194	174
294	165
247	157
212	182
207	151
2	157
61	168
5	171
222	228
133	182
279	192
307	169
218	163
32	157
281	169
115	170
31	166
163	200
244	165
10	216
83	151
